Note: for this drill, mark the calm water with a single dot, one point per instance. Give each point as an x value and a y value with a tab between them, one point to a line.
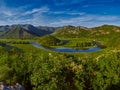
93	49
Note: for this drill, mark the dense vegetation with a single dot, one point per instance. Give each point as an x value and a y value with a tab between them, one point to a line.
38	69
45	70
49	40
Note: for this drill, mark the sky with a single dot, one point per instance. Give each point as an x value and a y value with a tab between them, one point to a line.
89	13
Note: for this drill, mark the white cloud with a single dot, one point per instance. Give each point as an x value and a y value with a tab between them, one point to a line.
77	13
66	2
7	13
68	12
37	10
9	16
88	20
108	18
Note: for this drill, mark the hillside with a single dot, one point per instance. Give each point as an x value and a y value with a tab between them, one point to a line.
49	40
100	31
3	29
105	31
16	31
72	31
26	31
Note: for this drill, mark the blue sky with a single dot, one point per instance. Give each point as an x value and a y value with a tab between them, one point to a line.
88	13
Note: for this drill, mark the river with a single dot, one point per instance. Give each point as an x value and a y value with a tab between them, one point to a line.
63	49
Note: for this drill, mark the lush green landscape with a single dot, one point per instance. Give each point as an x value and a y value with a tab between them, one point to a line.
40	69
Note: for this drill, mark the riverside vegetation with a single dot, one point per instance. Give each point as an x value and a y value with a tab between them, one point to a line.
39	69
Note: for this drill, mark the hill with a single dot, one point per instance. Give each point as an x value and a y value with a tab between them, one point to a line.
49	40
26	31
100	31
72	31
105	31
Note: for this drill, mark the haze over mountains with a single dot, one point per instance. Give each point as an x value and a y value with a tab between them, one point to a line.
24	31
28	31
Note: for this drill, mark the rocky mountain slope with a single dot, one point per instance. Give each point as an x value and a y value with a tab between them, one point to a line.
79	31
24	31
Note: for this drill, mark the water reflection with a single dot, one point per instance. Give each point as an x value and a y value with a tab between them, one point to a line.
93	49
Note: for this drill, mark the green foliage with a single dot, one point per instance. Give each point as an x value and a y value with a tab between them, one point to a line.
39	69
49	40
15	41
45	70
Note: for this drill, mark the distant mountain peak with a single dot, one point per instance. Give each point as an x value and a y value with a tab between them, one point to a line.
21	29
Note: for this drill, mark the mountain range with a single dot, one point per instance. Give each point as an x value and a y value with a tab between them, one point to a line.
80	31
28	31
24	31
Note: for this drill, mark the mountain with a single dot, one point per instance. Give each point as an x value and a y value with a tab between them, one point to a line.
16	31
28	31
3	29
105	31
72	31
100	31
24	31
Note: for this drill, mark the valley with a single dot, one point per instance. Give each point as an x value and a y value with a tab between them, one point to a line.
45	69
